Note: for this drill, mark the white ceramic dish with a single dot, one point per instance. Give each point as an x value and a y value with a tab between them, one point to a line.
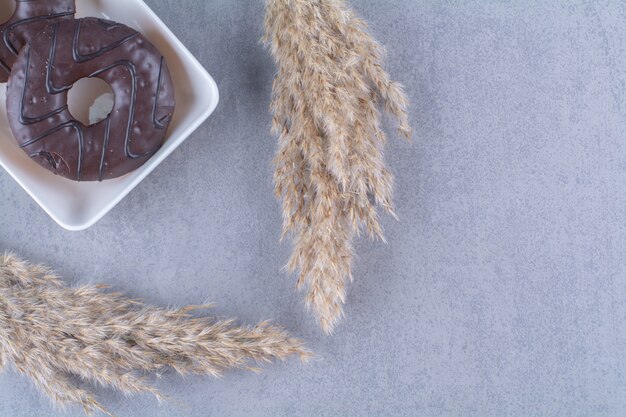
77	206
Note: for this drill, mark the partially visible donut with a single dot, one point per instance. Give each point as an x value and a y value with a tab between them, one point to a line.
30	18
48	67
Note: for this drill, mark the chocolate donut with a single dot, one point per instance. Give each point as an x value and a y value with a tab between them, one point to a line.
52	62
29	19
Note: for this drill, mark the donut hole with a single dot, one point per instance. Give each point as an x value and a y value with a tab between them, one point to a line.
7	8
90	100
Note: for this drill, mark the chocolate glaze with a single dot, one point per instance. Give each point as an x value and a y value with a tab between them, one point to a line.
29	19
47	68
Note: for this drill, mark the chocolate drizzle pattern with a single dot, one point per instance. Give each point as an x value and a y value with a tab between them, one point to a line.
78	57
29	19
48	67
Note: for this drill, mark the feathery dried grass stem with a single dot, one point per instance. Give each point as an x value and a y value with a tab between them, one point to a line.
53	333
329	169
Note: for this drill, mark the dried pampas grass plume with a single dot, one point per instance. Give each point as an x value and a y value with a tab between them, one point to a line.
56	335
329	170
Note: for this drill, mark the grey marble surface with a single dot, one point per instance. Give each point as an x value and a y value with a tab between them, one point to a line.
502	289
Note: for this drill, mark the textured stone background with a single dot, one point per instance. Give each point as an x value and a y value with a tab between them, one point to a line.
502	289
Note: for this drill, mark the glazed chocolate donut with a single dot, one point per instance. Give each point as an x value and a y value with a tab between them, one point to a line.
51	63
30	18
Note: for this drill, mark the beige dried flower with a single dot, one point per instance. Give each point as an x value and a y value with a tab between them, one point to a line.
55	334
330	171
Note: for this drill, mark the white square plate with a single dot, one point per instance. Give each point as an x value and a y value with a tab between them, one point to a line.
77	206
